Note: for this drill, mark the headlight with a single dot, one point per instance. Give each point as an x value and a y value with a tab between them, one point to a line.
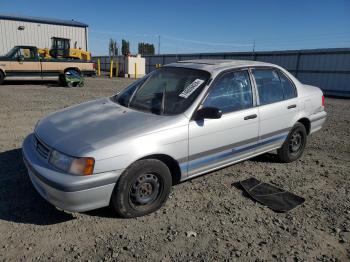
78	166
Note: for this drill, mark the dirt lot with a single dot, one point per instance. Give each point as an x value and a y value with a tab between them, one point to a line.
226	224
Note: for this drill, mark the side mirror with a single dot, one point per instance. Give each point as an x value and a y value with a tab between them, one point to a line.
20	58
208	112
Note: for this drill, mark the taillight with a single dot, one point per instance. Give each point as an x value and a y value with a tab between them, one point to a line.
94	66
323	104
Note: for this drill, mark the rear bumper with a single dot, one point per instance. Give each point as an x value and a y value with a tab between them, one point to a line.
68	192
317	120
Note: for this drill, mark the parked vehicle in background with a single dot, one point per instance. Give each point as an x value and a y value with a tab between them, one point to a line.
178	122
24	63
61	48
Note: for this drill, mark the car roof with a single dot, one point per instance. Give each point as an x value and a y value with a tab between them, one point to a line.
218	65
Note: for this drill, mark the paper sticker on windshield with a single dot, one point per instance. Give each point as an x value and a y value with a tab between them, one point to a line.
191	88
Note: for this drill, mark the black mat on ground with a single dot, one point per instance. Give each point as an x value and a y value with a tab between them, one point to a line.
271	196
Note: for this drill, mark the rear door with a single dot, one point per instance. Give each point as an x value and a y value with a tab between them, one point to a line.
217	142
278	106
24	65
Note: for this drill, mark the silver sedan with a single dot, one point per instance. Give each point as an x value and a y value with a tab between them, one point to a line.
180	121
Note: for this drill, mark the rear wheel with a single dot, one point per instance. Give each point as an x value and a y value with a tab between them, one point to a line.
294	145
2	77
142	189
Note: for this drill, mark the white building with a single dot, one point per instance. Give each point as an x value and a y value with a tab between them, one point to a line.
25	30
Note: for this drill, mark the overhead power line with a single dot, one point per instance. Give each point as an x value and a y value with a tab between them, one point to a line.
269	43
205	42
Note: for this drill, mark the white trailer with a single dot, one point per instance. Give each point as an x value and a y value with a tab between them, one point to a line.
34	31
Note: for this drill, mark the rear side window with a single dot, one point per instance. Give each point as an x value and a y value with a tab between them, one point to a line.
231	92
269	85
288	87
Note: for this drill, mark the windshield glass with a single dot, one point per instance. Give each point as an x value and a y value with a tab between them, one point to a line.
11	51
167	91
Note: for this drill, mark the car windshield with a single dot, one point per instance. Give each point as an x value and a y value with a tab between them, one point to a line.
166	91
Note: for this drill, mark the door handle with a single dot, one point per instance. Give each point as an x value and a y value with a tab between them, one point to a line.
292	106
250	117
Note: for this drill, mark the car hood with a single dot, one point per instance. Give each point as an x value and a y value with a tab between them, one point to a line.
81	129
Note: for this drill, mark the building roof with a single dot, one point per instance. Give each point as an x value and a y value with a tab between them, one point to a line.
42	20
215	65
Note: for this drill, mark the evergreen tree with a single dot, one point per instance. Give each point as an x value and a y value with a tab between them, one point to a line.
146	48
125	47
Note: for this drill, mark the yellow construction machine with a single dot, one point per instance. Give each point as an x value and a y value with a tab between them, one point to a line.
61	49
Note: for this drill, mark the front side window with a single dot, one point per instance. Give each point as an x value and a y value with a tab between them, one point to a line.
26	53
232	92
166	91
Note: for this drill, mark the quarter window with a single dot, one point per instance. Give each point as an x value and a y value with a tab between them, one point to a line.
288	87
232	92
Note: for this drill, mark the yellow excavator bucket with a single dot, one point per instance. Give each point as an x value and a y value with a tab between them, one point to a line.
79	54
44	52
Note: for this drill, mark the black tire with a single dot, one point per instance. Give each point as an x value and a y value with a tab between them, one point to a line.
2	78
142	189
294	145
62	80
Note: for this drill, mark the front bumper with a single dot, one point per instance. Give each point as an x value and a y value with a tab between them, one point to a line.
65	191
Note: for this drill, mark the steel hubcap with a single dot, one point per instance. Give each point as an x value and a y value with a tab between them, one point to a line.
295	142
145	189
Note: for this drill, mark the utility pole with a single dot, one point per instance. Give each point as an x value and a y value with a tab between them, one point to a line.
253	53
158	44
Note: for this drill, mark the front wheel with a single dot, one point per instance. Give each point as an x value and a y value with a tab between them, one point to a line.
294	145
142	189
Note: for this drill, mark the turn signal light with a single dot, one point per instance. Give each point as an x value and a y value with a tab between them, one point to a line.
82	166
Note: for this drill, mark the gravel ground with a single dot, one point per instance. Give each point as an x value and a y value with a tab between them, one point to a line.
205	219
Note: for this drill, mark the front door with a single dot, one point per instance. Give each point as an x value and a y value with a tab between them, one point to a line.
24	65
278	107
218	142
